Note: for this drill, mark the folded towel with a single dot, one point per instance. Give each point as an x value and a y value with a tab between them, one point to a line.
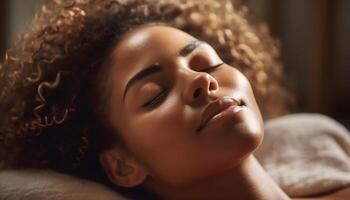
49	185
306	154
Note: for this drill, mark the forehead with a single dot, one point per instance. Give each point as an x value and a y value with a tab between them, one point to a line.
145	46
149	42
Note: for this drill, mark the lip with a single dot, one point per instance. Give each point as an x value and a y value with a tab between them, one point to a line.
217	109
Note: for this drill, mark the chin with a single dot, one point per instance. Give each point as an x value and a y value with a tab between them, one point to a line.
251	137
249	133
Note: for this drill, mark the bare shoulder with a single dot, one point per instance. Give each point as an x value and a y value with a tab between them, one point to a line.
342	194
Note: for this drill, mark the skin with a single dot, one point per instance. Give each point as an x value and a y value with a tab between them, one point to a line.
161	140
164	137
162	149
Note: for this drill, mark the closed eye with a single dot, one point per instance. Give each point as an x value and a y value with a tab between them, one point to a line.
212	68
157	99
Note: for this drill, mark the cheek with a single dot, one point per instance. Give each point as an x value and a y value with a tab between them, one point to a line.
160	139
231	78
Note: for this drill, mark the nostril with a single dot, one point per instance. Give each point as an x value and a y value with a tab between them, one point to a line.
212	86
197	92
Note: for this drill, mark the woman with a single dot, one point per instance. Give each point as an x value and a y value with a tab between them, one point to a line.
149	95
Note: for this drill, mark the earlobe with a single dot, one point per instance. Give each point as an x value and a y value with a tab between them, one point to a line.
122	169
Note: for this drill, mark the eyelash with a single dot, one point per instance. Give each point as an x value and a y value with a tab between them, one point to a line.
159	97
212	68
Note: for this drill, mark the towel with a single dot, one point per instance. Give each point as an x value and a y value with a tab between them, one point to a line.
41	184
306	154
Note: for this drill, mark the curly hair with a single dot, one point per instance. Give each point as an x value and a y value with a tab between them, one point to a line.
52	97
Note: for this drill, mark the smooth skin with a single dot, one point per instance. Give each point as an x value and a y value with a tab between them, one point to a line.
157	117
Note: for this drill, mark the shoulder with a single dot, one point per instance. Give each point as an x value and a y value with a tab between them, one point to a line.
341	194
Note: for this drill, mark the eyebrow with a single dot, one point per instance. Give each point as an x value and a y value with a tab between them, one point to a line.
189	48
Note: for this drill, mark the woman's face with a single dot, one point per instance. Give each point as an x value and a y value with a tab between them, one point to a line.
182	112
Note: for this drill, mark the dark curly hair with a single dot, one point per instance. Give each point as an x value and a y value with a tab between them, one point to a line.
52	96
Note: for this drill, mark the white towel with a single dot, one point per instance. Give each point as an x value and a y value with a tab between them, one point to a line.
306	154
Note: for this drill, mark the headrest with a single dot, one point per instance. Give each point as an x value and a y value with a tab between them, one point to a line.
46	184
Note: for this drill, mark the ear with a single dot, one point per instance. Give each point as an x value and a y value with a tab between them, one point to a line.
122	169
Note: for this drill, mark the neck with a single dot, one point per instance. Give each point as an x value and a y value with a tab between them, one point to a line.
247	181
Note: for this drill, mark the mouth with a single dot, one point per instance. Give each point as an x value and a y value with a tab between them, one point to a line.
216	107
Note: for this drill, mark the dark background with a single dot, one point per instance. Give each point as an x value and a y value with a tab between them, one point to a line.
315	38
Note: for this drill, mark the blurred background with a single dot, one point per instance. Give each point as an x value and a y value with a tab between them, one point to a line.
315	38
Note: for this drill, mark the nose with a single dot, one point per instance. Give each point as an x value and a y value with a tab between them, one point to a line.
201	86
